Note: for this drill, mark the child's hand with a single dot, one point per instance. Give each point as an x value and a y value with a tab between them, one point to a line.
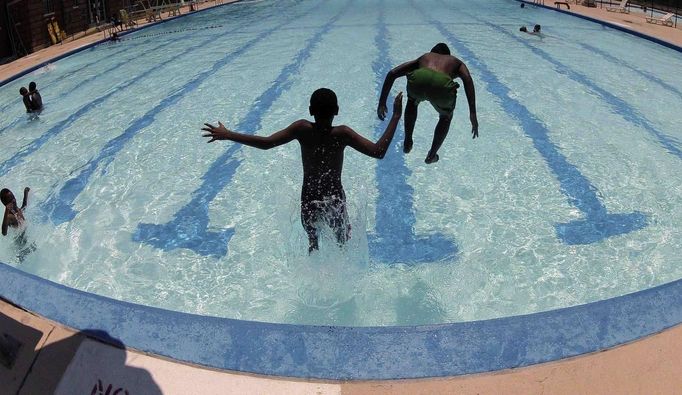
216	133
381	111
398	105
474	125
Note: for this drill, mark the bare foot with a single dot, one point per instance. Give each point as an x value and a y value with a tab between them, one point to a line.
431	159
407	146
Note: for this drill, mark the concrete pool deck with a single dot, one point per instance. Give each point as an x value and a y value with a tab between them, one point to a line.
56	359
53	358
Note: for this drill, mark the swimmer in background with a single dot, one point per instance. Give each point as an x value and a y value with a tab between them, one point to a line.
35	96
322	148
14	216
31	98
536	30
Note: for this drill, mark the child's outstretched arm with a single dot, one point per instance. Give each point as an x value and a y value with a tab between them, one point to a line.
25	202
378	149
283	136
397	72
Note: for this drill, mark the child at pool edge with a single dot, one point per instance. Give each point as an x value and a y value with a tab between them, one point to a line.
322	148
14	216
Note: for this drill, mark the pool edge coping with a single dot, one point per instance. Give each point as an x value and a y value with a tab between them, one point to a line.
354	353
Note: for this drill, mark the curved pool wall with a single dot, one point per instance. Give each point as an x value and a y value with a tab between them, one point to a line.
354	353
357	353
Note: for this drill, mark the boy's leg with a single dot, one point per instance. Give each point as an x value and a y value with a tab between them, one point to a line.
339	222
410	120
308	219
441	131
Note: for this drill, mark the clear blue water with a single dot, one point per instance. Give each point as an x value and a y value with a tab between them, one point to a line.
571	194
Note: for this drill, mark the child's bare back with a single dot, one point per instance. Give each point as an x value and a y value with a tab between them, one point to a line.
322	148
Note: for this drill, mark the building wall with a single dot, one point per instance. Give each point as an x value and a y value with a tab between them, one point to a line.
5	45
73	16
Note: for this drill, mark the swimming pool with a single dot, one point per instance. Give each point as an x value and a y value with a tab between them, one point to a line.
570	195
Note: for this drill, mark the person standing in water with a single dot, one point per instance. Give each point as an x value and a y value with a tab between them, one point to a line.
322	148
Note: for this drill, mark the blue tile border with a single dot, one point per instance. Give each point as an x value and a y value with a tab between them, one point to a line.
354	353
91	45
609	24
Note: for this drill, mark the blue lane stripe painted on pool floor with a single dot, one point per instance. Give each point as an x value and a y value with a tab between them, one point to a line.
394	240
618	105
92	46
598	224
61	96
63	125
623	63
189	226
59	205
44	86
354	353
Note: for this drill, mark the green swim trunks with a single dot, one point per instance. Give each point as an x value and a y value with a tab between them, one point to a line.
433	86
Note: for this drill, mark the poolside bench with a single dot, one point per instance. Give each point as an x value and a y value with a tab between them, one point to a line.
558	4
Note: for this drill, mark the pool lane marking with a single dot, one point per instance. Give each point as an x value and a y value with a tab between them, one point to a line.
63	95
618	105
125	47
189	227
45	85
394	240
623	63
59	206
61	126
598	223
44	88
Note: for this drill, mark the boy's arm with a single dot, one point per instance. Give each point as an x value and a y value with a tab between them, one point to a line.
463	73
25	202
278	138
5	222
397	72
27	104
378	149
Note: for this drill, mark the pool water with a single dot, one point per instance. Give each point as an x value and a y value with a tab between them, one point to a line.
571	194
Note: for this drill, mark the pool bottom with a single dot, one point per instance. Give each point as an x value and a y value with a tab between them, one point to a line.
354	353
